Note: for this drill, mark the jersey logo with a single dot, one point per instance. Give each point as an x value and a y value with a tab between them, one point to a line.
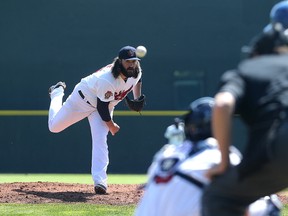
162	180
108	94
122	94
131	53
167	170
168	164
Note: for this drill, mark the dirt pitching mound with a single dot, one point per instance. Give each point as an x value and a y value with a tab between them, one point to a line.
47	192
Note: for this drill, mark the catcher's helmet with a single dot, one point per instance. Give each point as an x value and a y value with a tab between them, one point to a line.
198	120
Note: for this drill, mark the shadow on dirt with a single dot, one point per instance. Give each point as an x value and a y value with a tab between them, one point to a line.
62	196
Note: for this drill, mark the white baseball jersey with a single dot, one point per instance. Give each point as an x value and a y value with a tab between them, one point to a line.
103	85
176	178
82	103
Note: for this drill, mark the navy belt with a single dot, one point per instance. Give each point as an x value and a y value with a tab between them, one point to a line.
190	179
83	97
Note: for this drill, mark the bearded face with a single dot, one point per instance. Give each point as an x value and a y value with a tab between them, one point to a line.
129	72
129	68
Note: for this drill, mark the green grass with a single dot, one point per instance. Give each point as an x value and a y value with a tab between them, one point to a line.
72	178
285	211
65	210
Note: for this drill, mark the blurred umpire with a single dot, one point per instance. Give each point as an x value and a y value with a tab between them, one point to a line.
257	90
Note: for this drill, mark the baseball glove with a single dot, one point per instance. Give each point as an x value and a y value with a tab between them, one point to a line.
137	104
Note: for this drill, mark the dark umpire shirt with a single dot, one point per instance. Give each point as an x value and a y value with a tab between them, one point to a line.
260	86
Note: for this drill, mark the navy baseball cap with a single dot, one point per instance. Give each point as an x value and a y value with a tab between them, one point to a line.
128	53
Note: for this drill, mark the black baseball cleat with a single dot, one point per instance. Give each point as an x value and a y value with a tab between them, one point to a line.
59	84
100	189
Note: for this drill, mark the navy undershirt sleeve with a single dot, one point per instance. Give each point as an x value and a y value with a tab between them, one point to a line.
103	110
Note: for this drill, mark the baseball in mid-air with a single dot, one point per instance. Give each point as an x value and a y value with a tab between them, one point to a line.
141	51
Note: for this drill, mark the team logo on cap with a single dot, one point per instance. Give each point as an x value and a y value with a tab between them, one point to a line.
108	94
130	53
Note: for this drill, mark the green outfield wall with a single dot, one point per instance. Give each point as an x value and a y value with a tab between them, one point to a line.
190	44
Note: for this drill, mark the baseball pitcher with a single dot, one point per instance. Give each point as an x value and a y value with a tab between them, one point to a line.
95	97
